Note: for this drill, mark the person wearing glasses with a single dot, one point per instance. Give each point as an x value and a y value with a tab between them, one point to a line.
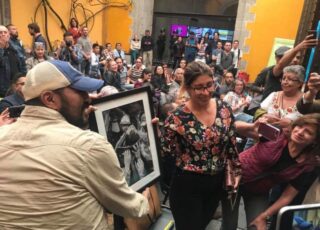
280	107
199	135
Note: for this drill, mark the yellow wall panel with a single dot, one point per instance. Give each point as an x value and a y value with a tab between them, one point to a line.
273	19
111	25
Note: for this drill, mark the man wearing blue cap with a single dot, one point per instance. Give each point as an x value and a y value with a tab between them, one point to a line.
55	175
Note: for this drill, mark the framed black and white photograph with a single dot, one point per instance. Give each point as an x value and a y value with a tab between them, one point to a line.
125	120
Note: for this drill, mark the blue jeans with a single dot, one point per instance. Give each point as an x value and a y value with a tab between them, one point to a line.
134	55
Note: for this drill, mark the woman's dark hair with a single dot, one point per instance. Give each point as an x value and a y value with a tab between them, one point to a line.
155	70
194	70
77	23
145	71
309	119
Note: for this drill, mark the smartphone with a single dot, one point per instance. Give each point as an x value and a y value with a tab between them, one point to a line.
15	111
299	217
268	131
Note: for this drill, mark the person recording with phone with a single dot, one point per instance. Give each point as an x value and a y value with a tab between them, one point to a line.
69	52
288	158
308	103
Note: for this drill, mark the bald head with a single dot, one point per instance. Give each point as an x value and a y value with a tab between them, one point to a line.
4	36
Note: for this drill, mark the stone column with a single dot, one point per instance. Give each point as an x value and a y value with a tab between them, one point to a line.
241	33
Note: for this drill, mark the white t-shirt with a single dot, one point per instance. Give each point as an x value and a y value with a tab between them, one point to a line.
237	54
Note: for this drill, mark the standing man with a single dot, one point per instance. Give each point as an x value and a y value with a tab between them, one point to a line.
73	175
16	43
69	52
237	56
178	51
9	61
86	48
191	47
147	49
225	59
161	44
34	31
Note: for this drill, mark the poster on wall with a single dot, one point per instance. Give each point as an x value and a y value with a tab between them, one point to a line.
276	44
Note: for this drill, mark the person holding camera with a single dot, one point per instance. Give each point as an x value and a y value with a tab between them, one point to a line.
69	52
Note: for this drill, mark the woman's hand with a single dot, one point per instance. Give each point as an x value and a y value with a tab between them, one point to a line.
314	83
283	123
5	118
259	222
270	118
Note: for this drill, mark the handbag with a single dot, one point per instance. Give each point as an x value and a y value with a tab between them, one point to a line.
230	180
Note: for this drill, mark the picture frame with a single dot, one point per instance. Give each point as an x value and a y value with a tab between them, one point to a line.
124	119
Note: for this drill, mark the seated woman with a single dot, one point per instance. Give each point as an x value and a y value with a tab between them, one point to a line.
144	80
158	80
39	55
280	107
135	71
111	76
238	100
289	158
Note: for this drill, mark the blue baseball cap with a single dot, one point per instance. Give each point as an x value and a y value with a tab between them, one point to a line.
55	74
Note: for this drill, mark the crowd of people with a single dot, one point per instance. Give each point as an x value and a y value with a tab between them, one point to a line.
53	168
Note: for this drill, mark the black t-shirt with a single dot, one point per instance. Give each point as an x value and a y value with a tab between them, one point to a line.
304	181
300	183
272	83
284	161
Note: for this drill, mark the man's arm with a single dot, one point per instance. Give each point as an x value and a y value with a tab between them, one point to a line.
104	179
289	56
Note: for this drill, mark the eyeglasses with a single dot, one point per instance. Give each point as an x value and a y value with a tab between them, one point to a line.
199	89
289	80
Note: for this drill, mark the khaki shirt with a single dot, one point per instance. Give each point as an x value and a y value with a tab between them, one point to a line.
54	175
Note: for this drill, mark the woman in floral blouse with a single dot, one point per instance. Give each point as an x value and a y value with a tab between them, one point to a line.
281	106
200	135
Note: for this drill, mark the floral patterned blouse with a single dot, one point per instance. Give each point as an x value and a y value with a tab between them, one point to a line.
197	147
273	105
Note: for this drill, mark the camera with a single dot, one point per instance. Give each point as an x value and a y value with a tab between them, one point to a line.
68	43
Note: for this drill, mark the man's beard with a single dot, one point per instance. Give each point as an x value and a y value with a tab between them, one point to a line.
79	121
